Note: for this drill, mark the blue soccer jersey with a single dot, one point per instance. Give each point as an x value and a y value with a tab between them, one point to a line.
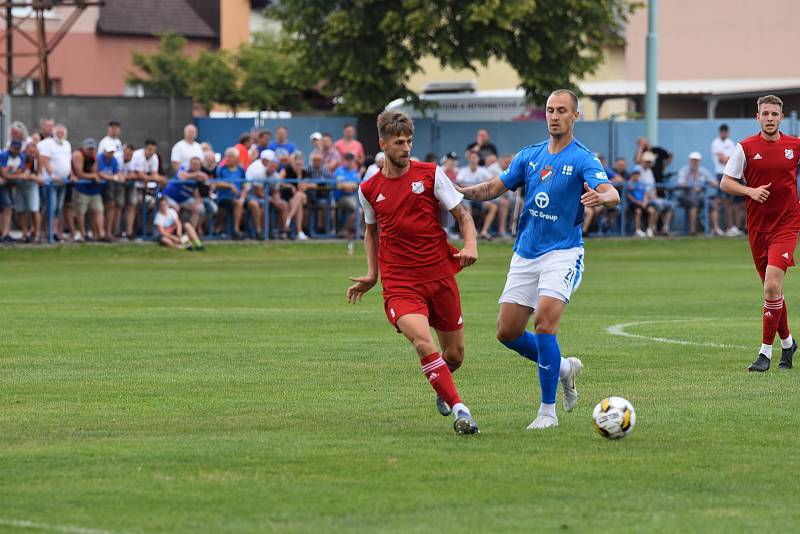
552	215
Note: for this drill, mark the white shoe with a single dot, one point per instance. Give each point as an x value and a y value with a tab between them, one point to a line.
718	232
733	231
77	237
301	236
640	233
650	232
568	383
543	421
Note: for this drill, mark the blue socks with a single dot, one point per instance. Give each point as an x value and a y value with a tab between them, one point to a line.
525	345
549	365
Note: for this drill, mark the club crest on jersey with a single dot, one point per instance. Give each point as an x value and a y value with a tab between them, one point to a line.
417	187
546	173
789	153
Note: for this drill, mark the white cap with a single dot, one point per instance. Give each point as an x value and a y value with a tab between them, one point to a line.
316	136
268	155
695	155
649	156
380	156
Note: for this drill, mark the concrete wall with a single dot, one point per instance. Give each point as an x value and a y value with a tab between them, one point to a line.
162	119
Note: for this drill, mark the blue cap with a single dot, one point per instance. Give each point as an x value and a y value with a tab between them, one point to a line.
637	170
16	143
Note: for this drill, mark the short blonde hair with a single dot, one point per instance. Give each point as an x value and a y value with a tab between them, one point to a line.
769	99
393	123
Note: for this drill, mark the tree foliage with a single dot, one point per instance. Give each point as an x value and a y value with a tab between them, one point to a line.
269	78
366	50
167	72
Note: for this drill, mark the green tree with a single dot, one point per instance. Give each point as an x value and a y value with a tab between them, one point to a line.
215	80
367	50
270	78
167	72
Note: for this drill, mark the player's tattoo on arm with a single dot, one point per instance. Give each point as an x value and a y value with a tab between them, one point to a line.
485	191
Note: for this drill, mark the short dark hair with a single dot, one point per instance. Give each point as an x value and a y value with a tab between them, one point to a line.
244	137
572	96
265	132
393	123
150	142
348	125
282	127
114	122
723	127
326	134
129	146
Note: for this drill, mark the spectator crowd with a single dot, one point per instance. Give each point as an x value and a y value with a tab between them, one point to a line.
264	187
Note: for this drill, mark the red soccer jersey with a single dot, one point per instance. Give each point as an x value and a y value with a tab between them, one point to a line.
413	247
760	162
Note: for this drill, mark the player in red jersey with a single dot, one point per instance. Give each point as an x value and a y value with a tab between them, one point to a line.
416	263
763	168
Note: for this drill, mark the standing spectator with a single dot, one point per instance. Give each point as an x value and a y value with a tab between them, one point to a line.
146	167
263	140
349	143
88	190
181	192
131	193
266	168
721	149
475	174
693	180
347	180
243	146
26	196
373	169
17	131
299	198
231	192
662	206
46	126
482	145
639	202
319	198
55	154
185	149
330	156
171	231
204	189
12	169
316	144
662	159
112	140
282	141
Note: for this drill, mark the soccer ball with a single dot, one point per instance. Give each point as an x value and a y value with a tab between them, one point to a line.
614	417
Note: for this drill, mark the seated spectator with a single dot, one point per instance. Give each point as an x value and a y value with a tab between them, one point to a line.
264	168
597	213
26	196
170	230
662	206
230	189
319	193
12	170
262	140
185	149
692	181
299	199
55	160
204	189
330	156
450	166
89	190
474	174
661	158
243	146
373	169
144	167
282	141
182	193
638	195
345	195
349	143
316	144
621	174
504	202
482	146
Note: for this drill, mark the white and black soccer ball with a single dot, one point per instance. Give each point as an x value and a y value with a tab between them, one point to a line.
614	417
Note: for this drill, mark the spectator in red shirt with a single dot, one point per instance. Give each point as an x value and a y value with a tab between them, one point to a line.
243	146
349	144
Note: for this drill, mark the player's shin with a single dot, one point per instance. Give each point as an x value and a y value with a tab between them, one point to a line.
525	346
440	378
549	367
773	310
783	328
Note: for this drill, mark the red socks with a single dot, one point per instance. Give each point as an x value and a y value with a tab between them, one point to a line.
773	310
783	325
440	378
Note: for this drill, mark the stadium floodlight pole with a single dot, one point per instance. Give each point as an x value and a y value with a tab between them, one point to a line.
651	96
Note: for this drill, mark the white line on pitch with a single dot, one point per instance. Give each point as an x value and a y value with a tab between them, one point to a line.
67	529
619	330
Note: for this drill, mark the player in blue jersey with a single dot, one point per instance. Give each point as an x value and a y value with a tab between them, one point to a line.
561	177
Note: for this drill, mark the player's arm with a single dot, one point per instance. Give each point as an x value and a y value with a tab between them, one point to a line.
469	253
483	191
365	283
731	181
605	194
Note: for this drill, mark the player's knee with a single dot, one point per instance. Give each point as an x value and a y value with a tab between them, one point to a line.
772	290
507	333
423	346
454	356
545	325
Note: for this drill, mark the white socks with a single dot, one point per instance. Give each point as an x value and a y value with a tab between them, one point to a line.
766	350
787	343
548	409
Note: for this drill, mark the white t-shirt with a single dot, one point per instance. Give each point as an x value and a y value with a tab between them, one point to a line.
183	152
372	170
495	169
647	177
467	177
113	143
443	190
60	155
256	171
165	221
718	146
139	162
737	163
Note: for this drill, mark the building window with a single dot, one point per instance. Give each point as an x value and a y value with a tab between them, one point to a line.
30	87
134	89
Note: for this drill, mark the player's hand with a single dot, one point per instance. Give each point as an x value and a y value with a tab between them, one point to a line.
760	194
361	286
459	188
468	255
590	198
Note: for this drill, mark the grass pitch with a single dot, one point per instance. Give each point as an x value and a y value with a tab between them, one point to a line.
145	390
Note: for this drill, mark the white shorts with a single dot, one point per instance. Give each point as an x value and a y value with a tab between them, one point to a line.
555	274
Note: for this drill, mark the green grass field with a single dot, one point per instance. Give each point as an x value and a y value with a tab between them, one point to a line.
144	390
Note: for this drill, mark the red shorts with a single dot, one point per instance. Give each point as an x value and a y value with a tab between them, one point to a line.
438	300
774	248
